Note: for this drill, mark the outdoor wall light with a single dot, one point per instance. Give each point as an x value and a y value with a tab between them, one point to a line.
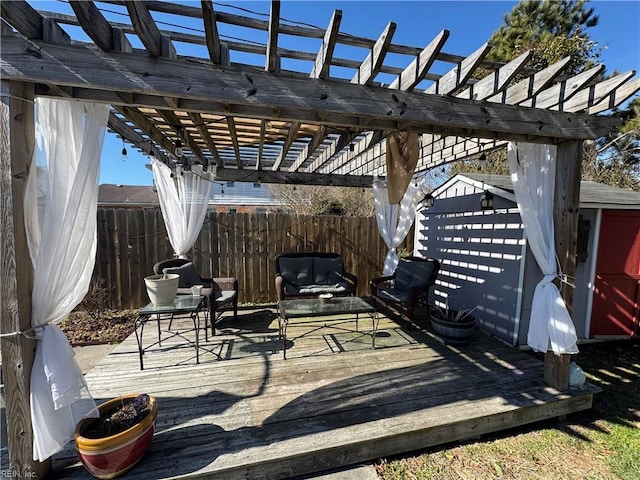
428	200
486	201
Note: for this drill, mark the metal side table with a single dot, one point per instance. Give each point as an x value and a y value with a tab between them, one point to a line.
182	304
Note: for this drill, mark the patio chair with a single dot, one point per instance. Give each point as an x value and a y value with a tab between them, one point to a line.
220	293
407	288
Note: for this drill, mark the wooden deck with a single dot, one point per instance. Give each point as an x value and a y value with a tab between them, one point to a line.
244	412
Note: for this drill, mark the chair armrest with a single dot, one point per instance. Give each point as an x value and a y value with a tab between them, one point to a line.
226	283
376	282
414	293
279	287
352	280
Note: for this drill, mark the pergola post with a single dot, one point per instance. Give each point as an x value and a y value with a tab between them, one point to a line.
17	143
565	216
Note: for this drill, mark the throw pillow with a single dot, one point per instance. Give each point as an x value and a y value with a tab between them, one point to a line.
189	276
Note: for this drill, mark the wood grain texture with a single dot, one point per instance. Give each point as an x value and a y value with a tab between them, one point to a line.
322	63
458	76
371	65
565	218
93	23
17	143
563	91
258	93
273	60
246	413
238	245
417	70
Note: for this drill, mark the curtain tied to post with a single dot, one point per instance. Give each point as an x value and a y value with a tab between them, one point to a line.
532	168
394	221
61	197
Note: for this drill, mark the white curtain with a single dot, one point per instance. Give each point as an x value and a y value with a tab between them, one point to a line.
184	198
532	169
60	216
394	221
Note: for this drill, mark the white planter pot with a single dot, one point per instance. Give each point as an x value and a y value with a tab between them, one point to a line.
162	289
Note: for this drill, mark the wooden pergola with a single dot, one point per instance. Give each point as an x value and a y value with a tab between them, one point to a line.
281	117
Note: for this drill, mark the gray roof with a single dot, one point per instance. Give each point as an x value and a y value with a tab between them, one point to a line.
110	194
592	194
241	193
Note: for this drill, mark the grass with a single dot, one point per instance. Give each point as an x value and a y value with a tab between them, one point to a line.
600	444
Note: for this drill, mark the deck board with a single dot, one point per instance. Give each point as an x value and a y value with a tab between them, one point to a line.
246	412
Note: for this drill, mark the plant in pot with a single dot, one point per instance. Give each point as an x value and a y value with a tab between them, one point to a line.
454	327
113	443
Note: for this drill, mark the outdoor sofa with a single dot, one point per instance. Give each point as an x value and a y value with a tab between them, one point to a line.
308	274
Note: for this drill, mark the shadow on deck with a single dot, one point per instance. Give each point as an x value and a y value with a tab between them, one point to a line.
244	412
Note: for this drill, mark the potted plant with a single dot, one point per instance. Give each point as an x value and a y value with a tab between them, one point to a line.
162	288
454	327
113	443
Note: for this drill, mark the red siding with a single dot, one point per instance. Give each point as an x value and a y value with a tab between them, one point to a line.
617	284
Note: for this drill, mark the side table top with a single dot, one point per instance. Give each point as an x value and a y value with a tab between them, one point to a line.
181	303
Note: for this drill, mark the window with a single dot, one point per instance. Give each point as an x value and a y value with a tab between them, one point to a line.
582	244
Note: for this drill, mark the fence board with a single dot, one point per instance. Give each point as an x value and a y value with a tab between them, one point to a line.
132	240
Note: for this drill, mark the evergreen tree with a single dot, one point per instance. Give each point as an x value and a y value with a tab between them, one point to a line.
552	29
555	29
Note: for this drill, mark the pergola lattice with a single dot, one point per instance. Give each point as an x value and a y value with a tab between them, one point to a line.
299	124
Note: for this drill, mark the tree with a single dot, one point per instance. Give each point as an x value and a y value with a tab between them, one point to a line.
615	158
552	30
322	200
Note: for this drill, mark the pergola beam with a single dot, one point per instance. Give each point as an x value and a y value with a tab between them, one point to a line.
145	144
258	94
214	46
325	54
458	76
293	178
417	70
273	61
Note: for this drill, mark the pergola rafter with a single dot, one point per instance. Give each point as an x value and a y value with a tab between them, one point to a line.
314	126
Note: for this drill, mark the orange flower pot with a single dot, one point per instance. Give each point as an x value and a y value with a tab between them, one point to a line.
109	457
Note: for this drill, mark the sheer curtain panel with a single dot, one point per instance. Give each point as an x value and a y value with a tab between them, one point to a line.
532	168
60	216
184	198
394	220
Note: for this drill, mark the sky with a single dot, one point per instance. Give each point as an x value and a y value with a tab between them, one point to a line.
470	23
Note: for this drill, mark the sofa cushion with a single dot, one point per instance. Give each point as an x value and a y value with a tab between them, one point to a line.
410	274
188	275
297	271
393	294
327	271
317	289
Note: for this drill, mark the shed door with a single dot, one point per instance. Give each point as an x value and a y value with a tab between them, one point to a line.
617	285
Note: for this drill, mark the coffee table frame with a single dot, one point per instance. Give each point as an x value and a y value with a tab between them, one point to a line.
314	307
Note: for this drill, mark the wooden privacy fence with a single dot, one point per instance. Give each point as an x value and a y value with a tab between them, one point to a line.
240	245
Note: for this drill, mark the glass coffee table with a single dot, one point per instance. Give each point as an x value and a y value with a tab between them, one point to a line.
190	305
315	307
